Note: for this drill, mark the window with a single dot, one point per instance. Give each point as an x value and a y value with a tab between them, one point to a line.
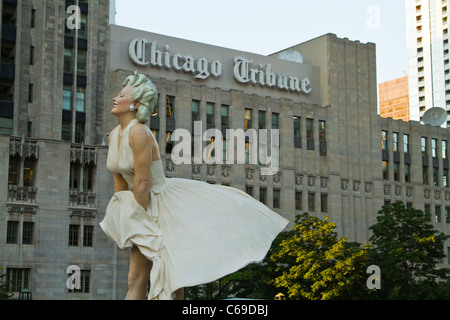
383	140
195	108
435	177
170	107
88	177
67	97
396	171
224	150
83	31
405	143
427	210
395	141
445	178
68	58
311	202
88	235
81	62
444	149
12	231
407	173
447	214
423	143
169	142
322	132
14	171
275	120
18	278
79	132
32	49
27	232
85	280
276	199
433	148
28	172
211	148
66	131
297	132
437	213
33	18
80	102
210	115
248	119
74	231
225	116
249	190
261	119
30	93
424	174
385	170
309	129
29	129
298	200
263	195
324	202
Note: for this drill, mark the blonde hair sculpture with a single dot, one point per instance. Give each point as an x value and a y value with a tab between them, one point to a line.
143	91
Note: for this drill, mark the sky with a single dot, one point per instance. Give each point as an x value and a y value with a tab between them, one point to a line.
268	26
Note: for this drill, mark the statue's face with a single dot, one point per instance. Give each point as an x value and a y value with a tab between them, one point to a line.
122	101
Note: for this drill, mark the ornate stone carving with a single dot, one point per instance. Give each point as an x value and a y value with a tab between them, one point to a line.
311	181
356	185
298	179
324	183
249	173
83	199
22	194
409	192
387	190
170	167
83	154
344	185
211	170
196	169
368	187
27	148
226	171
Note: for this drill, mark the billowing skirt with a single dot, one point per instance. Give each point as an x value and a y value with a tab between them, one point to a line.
192	231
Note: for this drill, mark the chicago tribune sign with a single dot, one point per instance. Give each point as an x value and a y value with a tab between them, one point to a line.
145	52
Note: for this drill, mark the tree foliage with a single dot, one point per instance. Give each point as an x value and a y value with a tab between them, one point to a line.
5	288
324	266
408	248
311	262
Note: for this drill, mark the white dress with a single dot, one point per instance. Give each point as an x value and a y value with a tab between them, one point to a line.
193	232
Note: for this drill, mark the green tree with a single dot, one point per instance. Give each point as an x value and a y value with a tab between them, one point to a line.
5	288
407	248
321	266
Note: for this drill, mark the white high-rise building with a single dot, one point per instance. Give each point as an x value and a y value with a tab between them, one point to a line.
428	53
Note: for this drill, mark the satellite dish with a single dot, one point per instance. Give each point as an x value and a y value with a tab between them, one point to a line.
291	55
434	117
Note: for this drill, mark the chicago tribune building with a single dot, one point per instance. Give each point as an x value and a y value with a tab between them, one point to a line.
334	155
